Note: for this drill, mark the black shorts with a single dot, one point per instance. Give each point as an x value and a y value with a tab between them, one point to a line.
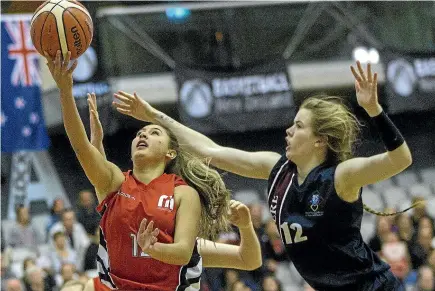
385	281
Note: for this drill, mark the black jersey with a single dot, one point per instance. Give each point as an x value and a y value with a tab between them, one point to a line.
321	232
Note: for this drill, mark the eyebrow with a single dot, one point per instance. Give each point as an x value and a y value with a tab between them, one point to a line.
152	128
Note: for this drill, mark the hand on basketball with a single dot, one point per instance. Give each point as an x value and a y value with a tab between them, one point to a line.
239	214
147	235
96	127
366	86
60	71
134	106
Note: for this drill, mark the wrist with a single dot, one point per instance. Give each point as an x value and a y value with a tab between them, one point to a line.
375	111
246	226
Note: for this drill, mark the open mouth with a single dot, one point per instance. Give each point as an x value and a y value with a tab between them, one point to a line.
141	144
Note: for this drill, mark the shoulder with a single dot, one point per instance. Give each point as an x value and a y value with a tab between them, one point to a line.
279	165
186	193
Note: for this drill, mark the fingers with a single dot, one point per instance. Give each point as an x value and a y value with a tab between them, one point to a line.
121	106
142	226
375	84
355	74
94	100
73	67
126	95
369	72
49	60
123	98
361	71
150	227
155	232
57	63
66	60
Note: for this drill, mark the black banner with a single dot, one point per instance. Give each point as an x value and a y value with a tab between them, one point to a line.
410	82
254	98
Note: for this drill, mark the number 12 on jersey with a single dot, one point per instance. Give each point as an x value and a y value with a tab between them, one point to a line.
298	237
135	247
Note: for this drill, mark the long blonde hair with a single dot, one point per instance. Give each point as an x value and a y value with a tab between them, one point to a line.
332	119
213	194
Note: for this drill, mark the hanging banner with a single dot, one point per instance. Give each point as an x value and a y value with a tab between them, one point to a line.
410	82
253	98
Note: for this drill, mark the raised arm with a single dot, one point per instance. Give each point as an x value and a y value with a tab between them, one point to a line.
355	173
186	230
104	176
249	164
96	128
246	256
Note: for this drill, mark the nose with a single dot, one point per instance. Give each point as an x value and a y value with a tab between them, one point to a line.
289	131
143	135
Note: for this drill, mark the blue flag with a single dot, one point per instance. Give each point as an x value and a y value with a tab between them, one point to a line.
22	120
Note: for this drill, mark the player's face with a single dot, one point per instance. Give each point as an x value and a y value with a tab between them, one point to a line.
300	138
151	142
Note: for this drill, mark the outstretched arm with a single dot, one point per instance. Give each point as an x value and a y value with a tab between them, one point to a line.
97	133
249	164
104	176
355	173
246	256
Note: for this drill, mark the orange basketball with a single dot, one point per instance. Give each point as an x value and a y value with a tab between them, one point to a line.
64	25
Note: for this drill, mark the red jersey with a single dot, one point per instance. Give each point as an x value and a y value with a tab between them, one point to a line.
121	264
98	286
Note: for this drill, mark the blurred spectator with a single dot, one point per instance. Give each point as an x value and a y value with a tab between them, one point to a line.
78	239
239	286
73	285
425	281
231	277
421	249
405	227
273	248
431	260
23	234
55	213
424	222
34	277
67	273
13	285
61	253
383	229
396	254
5	273
270	283
418	212
87	215
90	262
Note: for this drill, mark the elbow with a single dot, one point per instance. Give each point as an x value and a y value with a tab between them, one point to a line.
254	264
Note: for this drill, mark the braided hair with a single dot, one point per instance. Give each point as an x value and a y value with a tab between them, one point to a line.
380	213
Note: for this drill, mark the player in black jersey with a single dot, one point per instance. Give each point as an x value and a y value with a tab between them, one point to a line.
315	188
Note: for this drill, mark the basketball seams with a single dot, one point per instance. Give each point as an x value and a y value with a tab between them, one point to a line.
60	31
78	22
40	11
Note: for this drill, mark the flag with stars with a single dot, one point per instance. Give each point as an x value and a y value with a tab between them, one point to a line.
22	120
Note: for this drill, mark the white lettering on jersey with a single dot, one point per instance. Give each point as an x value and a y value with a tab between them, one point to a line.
125	195
166	201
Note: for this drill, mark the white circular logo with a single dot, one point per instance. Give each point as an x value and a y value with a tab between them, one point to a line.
196	98
400	74
87	65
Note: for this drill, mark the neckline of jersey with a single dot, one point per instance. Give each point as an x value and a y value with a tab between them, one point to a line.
163	177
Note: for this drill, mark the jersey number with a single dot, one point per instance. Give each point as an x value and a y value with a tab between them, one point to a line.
298	236
135	248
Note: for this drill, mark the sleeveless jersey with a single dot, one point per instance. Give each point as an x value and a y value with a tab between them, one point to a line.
321	232
121	264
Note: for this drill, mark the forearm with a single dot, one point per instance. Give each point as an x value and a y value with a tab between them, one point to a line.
193	141
71	119
249	250
99	146
173	254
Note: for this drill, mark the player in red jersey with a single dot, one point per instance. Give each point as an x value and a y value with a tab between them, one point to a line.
246	256
167	187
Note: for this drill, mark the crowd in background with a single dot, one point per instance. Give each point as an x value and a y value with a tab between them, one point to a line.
66	250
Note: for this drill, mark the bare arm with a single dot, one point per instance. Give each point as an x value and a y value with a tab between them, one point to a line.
104	176
249	164
97	133
186	230
246	256
355	173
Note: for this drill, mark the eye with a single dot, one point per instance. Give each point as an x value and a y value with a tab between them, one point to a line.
298	125
154	132
138	133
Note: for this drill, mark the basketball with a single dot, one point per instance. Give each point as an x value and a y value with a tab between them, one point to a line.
64	25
